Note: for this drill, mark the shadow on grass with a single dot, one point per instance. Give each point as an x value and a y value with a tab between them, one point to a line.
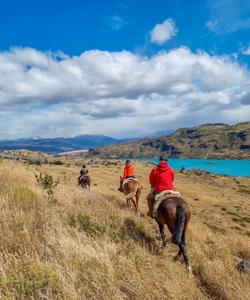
209	288
139	236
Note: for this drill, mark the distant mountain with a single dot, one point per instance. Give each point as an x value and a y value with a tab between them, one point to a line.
205	141
56	145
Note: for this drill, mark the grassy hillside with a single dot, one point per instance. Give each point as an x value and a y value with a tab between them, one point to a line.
77	244
205	141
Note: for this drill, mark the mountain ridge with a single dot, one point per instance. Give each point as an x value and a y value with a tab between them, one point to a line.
204	141
59	144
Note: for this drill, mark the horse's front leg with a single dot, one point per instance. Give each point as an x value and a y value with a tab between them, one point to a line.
163	236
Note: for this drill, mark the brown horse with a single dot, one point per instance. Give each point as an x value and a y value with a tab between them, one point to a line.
84	182
176	213
132	191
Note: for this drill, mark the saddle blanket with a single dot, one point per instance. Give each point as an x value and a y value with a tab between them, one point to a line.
127	180
162	196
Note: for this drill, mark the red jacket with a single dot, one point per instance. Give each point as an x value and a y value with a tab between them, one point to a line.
162	177
129	170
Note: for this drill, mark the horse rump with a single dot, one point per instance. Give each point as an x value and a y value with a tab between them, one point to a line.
179	227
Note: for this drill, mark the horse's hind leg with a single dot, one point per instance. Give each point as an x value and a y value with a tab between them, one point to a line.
185	256
183	240
135	204
163	236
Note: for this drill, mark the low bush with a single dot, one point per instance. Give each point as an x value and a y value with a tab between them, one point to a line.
90	227
33	280
24	196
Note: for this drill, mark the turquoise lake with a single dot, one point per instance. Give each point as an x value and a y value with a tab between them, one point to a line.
218	166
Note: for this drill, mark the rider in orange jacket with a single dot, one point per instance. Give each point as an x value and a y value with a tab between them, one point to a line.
129	170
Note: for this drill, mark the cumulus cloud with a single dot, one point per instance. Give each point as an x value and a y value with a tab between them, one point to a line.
117	93
163	32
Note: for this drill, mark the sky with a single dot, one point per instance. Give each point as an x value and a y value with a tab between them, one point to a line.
122	68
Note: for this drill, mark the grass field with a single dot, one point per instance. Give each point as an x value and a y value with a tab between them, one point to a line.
78	244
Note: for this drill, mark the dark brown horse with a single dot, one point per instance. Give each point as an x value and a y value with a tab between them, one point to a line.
132	191
84	182
175	213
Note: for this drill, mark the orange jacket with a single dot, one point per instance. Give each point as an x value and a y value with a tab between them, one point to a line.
129	170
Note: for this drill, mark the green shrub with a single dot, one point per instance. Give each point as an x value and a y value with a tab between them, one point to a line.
90	227
30	281
57	163
47	182
37	162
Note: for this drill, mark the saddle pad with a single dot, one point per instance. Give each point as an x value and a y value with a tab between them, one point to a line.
162	196
128	179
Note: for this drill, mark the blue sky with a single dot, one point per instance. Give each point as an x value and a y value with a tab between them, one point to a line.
78	37
75	26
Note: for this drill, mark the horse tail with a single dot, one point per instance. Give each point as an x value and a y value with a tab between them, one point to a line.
179	227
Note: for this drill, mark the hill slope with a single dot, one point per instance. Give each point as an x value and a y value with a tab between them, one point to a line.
205	141
89	245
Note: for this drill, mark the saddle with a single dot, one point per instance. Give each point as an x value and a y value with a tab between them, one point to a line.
127	180
162	196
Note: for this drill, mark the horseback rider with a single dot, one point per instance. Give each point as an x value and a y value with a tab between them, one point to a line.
161	179
129	170
83	173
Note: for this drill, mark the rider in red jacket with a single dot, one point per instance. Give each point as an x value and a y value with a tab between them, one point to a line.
161	179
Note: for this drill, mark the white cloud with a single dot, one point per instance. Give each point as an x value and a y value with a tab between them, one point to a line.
228	16
246	51
163	32
115	22
117	93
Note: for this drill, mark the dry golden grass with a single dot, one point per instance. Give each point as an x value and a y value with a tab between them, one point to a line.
88	245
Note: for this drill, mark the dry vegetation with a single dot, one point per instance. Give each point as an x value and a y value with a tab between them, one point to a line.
76	244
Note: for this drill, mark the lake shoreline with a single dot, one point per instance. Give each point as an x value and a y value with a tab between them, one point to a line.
227	167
